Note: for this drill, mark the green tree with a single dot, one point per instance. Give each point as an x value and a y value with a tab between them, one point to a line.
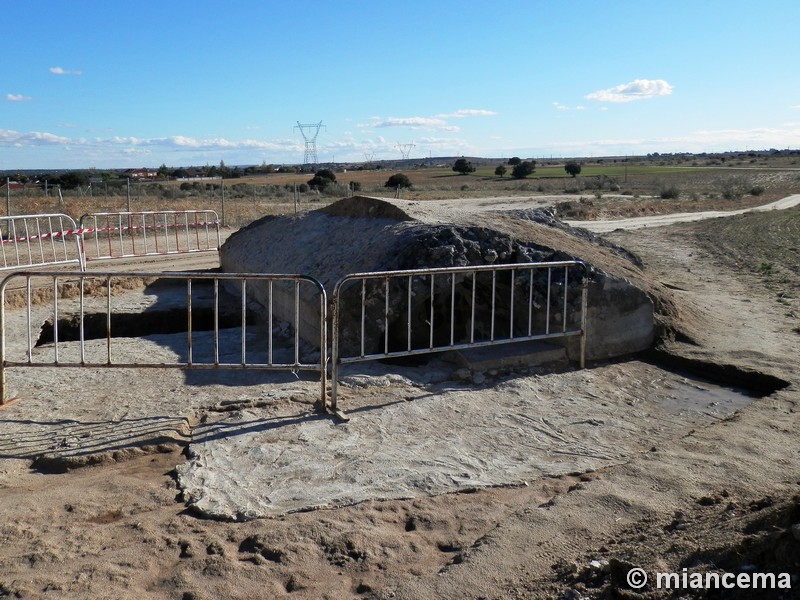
322	179
573	168
71	179
500	170
523	169
398	180
463	166
514	161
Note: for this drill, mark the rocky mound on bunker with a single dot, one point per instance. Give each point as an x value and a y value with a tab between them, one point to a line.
362	234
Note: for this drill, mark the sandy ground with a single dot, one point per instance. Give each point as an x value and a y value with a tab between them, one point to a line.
666	477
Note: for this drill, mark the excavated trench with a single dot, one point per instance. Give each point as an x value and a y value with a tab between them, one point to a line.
455	433
157	320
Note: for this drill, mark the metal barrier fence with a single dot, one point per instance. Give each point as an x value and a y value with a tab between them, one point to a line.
147	233
39	241
81	314
430	310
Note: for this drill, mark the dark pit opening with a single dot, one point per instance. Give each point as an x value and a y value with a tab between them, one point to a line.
149	322
755	383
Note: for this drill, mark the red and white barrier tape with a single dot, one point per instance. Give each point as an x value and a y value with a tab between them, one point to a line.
85	230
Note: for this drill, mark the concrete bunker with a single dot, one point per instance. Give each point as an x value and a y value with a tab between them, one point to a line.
364	234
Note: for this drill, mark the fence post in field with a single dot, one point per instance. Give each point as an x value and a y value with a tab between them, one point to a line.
223	202
8	196
128	192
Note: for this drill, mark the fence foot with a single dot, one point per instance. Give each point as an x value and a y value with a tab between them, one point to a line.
341	415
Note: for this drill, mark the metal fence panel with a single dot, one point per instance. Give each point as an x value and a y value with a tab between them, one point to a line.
129	234
419	311
85	312
39	241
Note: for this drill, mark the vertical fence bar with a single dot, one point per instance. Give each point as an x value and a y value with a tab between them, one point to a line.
14	238
155	231
53	237
584	316
323	347
530	302
363	310
55	319
472	309
452	306
28	315
386	316
95	228
62	230
39	239
132	227
144	233
166	233
511	317
269	324
4	242
408	314
433	277
121	236
82	336
216	321
547	311
494	296
244	322
189	347
566	288
108	320
28	242
296	322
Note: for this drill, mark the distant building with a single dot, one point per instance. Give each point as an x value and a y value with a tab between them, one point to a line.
141	174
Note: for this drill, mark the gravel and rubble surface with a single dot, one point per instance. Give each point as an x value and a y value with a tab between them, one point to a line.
659	480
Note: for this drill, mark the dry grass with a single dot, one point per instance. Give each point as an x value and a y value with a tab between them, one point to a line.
630	193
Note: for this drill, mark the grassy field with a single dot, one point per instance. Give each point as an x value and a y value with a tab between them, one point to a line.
608	188
766	243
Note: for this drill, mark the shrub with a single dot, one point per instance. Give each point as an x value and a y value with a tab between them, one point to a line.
733	188
670	192
322	179
398	180
523	169
756	190
463	166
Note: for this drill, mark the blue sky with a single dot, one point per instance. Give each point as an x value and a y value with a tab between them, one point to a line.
99	84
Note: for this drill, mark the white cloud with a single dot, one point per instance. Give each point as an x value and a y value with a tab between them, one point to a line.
9	137
640	89
433	123
18	98
467	112
561	106
60	71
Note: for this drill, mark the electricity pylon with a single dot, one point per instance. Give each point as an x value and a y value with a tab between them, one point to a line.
310	155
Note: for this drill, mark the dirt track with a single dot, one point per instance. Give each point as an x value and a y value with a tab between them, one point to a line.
719	495
606	226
